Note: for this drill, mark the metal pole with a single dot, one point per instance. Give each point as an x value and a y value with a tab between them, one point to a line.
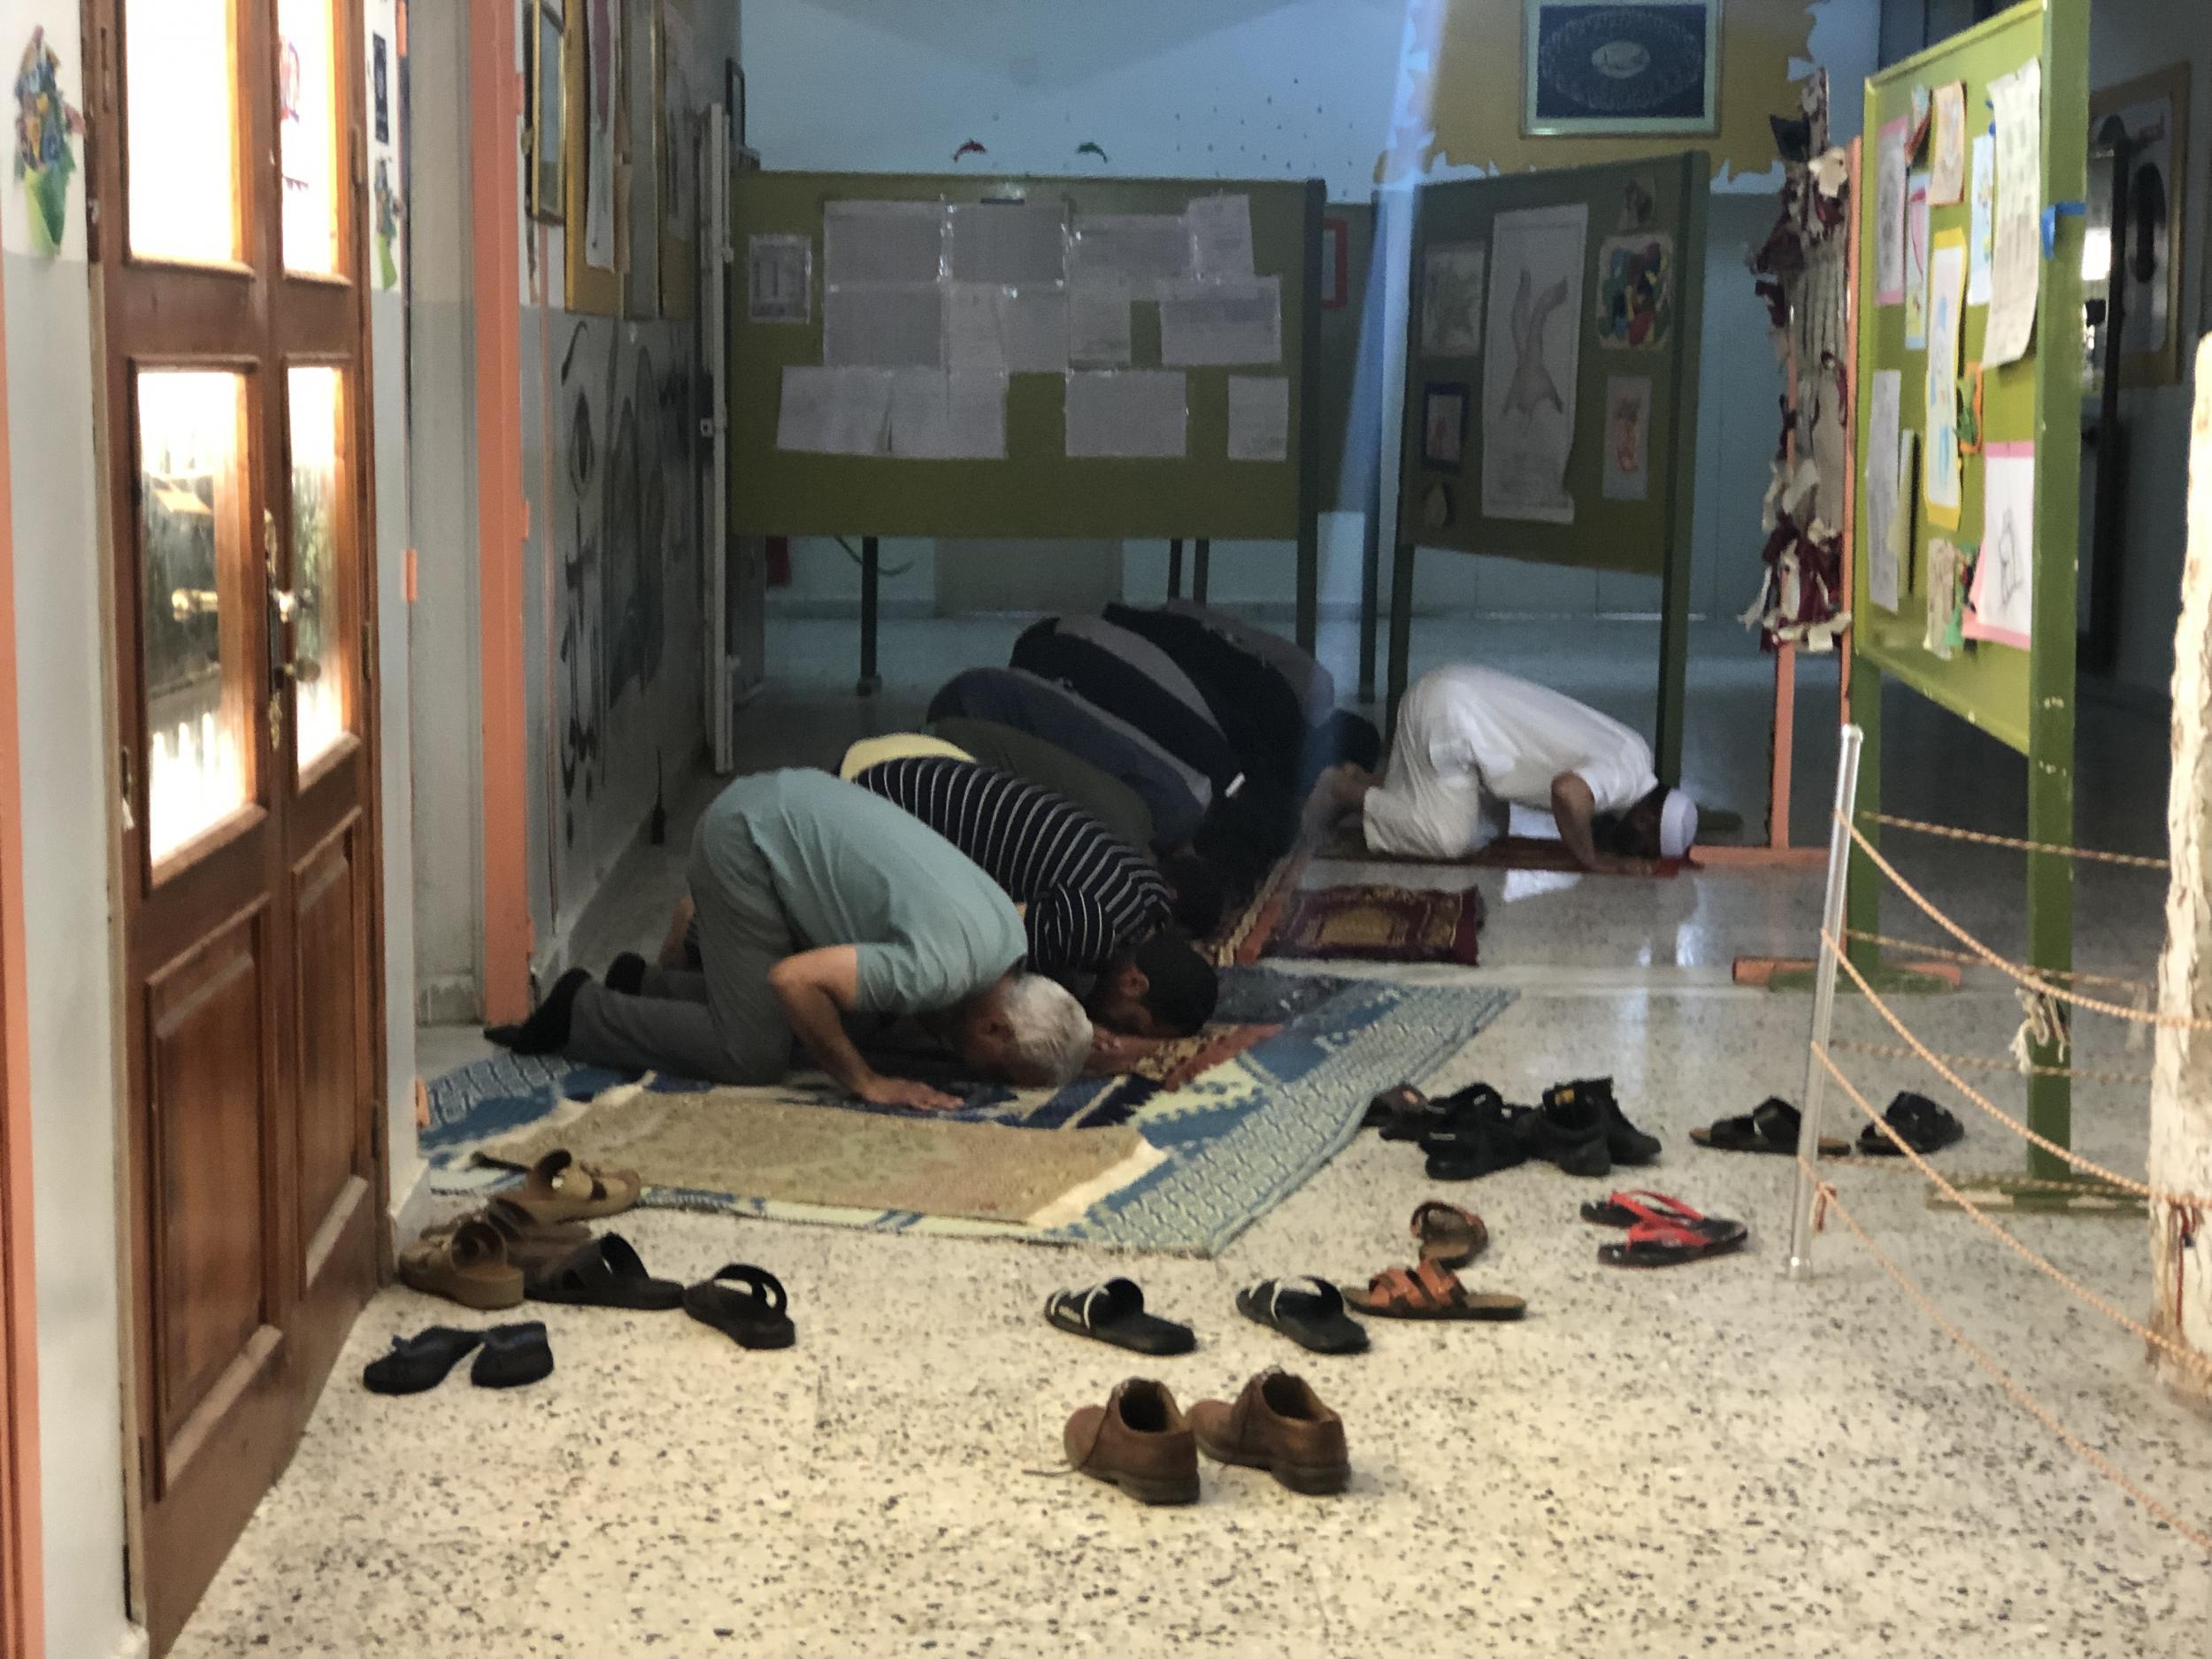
871	566
1824	1000
1175	567
1201	568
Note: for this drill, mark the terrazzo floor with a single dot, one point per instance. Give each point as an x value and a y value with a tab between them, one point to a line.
1709	1460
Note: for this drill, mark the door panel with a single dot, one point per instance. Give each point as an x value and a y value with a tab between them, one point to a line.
183	134
333	1152
209	1097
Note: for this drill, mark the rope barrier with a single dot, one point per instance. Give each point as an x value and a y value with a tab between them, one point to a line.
1989	1063
2178	1022
2188	1357
1996	1374
2154	1194
1939	954
2133	861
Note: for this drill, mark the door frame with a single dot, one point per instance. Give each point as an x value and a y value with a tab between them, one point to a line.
22	1588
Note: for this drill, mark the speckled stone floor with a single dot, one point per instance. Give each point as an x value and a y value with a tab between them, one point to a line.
1712	1460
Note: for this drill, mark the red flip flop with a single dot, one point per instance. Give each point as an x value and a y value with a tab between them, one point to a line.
1671	1243
1626	1208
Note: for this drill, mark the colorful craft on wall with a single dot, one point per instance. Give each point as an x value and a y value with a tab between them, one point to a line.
1635	282
45	126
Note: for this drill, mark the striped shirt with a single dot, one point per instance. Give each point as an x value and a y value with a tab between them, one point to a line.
1088	895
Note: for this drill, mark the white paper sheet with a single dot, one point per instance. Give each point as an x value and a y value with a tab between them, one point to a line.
1033	325
883	327
835	411
1983	220
779	278
1127	412
1884	556
1208	324
2003	601
1627	437
1221	236
1098	322
882	242
1143	249
1889	213
940	415
1916	262
972	326
1259	418
1532	354
1008	244
1943	477
1946	147
2016	247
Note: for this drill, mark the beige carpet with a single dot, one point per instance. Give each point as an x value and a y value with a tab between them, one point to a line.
782	1145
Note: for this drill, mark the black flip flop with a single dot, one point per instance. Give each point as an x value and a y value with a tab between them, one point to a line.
419	1362
513	1355
1309	1311
1669	1243
1634	1207
754	1319
1771	1126
1919	1122
604	1274
1114	1313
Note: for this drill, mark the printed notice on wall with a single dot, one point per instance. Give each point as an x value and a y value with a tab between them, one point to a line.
883	327
882	242
1221	236
1004	330
2001	607
2015	254
942	415
778	274
835	411
1009	243
1138	412
1141	249
1259	418
1098	322
1208	324
1944	478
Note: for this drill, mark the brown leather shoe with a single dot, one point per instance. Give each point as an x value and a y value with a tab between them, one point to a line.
1278	1423
1139	1441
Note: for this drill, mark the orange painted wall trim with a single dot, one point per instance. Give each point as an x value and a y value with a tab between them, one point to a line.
495	166
22	1581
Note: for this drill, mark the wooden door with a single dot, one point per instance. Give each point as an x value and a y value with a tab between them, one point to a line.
228	163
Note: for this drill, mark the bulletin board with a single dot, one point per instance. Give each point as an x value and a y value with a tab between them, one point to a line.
2035	401
1640	523
2020	693
1036	490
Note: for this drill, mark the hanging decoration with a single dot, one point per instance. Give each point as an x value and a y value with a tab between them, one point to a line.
1803	276
45	128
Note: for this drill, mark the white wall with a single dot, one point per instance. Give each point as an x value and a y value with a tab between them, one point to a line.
66	741
1250	88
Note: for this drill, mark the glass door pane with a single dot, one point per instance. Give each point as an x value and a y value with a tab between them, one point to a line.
307	110
196	582
320	662
180	62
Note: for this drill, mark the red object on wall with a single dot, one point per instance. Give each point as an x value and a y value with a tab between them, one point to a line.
780	561
1336	265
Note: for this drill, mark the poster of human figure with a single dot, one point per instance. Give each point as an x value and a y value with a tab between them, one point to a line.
1532	352
1627	438
602	57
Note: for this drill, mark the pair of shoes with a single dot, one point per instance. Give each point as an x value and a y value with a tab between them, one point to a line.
1404	1113
1580	1127
1309	1311
1771	1126
1484	1138
1139	1441
1662	1231
511	1355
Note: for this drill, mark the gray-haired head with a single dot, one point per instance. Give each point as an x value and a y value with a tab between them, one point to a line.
1027	1030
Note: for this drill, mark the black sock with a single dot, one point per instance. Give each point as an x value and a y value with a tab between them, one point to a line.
626	973
546	1031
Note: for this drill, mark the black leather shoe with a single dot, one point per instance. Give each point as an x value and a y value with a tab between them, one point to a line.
1626	1143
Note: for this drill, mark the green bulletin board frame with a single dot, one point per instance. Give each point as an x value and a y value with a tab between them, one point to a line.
1650	537
2025	699
1351	403
1037	490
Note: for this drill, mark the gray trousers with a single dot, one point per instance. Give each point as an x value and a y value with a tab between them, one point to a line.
722	1023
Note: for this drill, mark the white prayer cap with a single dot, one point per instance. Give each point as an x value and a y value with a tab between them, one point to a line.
1678	824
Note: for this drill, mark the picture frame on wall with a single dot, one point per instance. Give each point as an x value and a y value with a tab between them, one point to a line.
1444	425
546	103
2151	115
1632	67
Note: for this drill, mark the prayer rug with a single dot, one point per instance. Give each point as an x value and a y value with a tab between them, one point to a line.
1237	1120
1370	924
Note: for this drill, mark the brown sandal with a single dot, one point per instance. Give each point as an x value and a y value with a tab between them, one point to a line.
468	1265
561	1189
1449	1235
1431	1291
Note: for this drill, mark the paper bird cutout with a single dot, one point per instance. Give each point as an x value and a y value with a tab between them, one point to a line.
1089	148
970	149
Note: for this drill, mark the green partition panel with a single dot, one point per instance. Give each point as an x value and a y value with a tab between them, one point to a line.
1441	505
1037	489
1349	347
2025	698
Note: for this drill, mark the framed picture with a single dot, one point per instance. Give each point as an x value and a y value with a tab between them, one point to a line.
1629	66
546	106
1444	425
2150	116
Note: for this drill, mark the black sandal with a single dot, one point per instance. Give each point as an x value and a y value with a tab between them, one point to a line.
1114	1313
604	1274
755	1319
513	1355
419	1362
1309	1311
1920	1124
1769	1127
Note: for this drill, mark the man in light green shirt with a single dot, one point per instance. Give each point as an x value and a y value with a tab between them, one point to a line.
816	899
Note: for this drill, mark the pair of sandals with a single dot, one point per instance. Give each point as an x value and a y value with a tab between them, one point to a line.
1662	1231
507	1356
1447	1238
1772	1127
